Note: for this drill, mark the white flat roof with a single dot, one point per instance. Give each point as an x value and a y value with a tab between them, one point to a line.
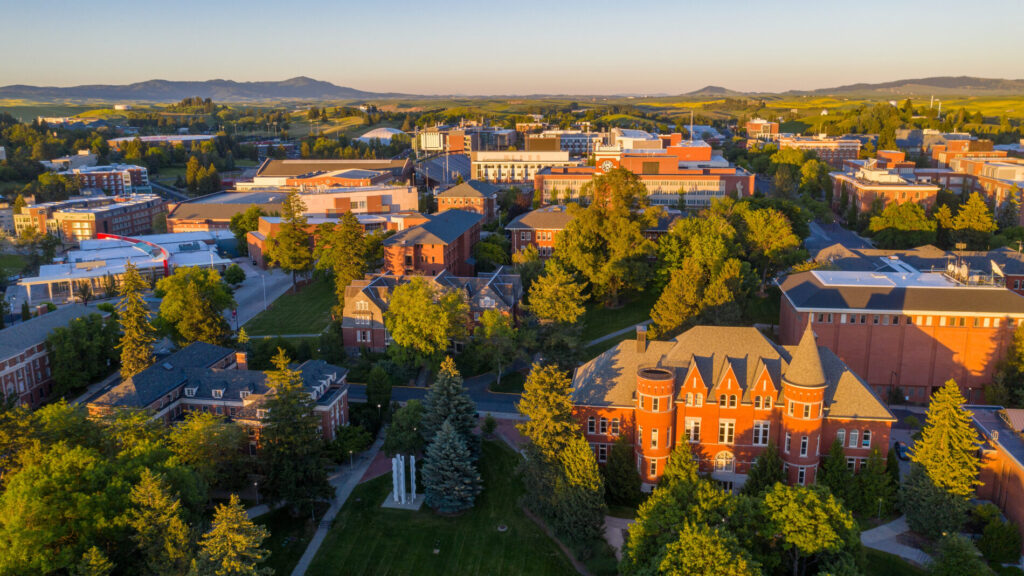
884	279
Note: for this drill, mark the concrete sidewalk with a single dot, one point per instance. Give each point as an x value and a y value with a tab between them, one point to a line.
625	330
884	538
344	481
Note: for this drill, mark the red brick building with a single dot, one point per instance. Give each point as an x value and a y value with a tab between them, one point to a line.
944	154
866	185
115	179
1002	459
472	196
539	228
761	129
206	378
830	150
905	333
443	243
366	301
24	360
728	392
82	218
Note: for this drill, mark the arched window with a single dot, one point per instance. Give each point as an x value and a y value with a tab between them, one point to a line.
724	462
865	441
604	425
721	399
699	399
689	399
757	402
841	436
590	425
767	402
732	401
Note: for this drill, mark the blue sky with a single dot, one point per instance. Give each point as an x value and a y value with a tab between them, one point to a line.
511	47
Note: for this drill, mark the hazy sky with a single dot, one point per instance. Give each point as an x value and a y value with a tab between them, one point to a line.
511	47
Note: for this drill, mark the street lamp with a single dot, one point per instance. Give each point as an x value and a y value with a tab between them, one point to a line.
349	458
378	412
256	487
264	279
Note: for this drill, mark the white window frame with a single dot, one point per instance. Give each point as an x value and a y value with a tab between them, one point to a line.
692	430
726	432
762	431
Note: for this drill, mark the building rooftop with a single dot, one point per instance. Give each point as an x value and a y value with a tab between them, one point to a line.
275	168
15	339
554	217
442	228
893	292
471	189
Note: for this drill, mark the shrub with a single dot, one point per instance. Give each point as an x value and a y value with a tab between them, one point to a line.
489	425
234	274
1000	542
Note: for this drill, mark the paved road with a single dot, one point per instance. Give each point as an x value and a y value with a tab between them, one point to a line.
250	294
344	481
167	191
824	235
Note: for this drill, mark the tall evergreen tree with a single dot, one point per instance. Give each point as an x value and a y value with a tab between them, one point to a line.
874	491
290	248
232	546
94	563
765	472
341	250
579	509
200	321
162	536
620	476
974	224
930	509
137	334
449	401
451	482
835	475
292	451
548	409
948	448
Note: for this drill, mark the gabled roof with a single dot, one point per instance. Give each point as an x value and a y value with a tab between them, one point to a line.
442	228
553	217
471	189
15	339
610	378
503	287
164	376
805	369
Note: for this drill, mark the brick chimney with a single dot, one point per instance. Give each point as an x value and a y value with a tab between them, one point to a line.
242	360
641	339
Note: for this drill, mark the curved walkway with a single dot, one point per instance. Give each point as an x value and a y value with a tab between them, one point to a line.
625	330
884	538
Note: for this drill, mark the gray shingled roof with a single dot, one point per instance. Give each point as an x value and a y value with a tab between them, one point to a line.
15	339
548	218
806	292
471	189
164	376
610	378
805	369
441	228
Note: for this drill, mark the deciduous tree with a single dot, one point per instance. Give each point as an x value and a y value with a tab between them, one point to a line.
213	447
498	339
704	551
421	327
810	521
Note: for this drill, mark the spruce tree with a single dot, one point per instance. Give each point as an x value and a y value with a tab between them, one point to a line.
341	250
94	563
579	511
201	322
451	482
448	400
232	546
835	475
548	409
948	448
137	334
930	509
875	492
26	312
290	248
892	466
765	472
621	477
291	447
162	537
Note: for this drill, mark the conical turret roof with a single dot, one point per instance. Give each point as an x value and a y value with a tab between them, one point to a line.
805	369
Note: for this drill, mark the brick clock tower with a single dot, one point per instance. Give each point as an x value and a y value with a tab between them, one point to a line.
803	391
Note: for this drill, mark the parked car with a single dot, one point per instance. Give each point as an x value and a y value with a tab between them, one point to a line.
902	451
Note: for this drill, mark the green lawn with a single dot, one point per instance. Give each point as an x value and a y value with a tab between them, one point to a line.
510	382
288	539
368	540
11	264
883	564
598	320
592	351
307	312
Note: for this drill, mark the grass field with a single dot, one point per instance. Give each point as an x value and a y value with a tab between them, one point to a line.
511	382
307	312
288	539
882	564
368	540
599	320
12	263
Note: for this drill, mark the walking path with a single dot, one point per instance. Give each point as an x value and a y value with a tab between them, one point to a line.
344	482
884	538
625	330
98	387
614	533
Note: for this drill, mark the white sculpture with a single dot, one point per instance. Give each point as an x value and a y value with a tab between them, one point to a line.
412	471
398	484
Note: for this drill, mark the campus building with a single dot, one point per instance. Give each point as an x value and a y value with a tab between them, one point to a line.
115	179
761	129
24	360
863	187
276	172
539	228
186	141
465	138
831	150
205	378
1002	459
472	196
514	166
944	154
366	302
101	262
443	243
84	217
727	393
997	179
214	212
906	333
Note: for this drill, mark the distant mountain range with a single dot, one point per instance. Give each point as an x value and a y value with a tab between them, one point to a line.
300	88
308	89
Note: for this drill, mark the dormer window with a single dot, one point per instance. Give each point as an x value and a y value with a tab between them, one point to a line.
218	394
243	394
190	392
362	305
261	413
487	302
